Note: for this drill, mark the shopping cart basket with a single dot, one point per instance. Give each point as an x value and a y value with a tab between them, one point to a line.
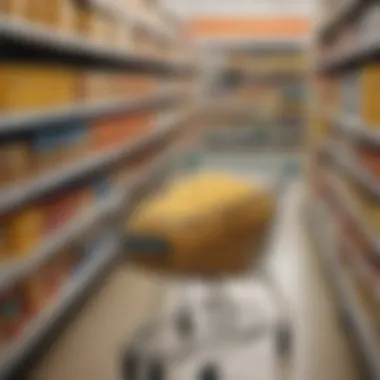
170	340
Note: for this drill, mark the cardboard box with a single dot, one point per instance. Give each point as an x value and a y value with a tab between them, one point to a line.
17	9
15	161
18	83
25	231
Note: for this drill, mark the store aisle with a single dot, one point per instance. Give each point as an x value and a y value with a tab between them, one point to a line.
90	347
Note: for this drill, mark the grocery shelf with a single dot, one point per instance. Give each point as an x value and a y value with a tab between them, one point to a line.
360	322
357	129
74	229
349	165
16	195
343	196
133	20
23	40
348	11
368	51
364	271
10	274
255	44
32	120
22	351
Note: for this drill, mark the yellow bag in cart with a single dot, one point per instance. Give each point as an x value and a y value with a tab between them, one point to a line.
202	224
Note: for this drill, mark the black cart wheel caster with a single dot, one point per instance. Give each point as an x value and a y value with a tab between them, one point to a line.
132	364
284	339
156	370
210	371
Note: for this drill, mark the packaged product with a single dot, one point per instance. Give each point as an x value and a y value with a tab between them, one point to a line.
369	157
58	209
12	314
3	239
17	9
370	82
25	230
47	149
36	291
76	141
18	83
15	161
36	11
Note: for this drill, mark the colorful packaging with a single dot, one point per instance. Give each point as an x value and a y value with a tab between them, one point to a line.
75	141
3	240
15	161
36	291
48	149
25	231
58	209
15	8
370	84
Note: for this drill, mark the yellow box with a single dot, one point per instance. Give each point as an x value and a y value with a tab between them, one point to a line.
18	84
15	161
15	8
25	231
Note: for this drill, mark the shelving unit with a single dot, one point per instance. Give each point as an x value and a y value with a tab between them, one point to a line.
131	133
345	185
52	315
27	41
18	123
258	103
31	189
349	302
347	12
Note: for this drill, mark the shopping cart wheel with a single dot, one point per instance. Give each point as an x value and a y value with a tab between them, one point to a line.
210	371
156	370
184	323
131	364
284	339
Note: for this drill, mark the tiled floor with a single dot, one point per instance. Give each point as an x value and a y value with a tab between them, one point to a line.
90	348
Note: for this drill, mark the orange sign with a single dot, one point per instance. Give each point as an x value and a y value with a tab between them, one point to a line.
250	27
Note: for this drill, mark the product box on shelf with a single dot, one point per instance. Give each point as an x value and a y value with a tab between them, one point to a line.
48	151
369	157
36	291
17	9
15	161
18	83
24	231
370	82
58	209
58	15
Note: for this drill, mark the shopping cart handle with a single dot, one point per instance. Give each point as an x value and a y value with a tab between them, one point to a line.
136	244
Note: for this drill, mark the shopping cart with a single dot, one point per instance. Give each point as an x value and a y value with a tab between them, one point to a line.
170	340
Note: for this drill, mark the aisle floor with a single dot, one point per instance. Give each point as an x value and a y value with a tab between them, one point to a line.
90	347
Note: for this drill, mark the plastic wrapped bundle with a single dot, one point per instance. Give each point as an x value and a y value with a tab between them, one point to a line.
204	224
